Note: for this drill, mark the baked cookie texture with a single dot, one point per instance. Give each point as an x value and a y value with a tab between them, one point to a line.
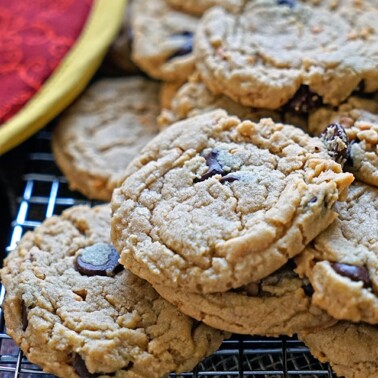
213	203
342	261
265	54
77	325
359	117
103	131
198	7
193	98
351	349
279	304
163	40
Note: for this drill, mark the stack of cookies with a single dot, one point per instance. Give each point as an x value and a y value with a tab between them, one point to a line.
242	178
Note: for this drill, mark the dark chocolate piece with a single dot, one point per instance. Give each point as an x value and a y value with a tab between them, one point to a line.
186	47
336	140
24	316
304	101
81	369
229	178
355	273
214	166
100	259
290	3
308	289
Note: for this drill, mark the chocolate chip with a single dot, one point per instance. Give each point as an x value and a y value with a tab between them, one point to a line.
313	200
214	166
24	316
186	46
336	140
355	273
304	100
229	178
81	369
308	289
290	3
100	259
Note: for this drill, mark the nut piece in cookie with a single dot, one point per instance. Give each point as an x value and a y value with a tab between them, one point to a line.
223	202
342	262
72	310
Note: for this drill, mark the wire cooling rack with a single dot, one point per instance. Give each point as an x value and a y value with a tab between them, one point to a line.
44	192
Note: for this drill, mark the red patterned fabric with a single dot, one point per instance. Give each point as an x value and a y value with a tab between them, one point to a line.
34	37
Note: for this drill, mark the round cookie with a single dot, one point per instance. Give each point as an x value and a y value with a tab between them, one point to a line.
76	314
351	349
119	54
213	203
342	261
194	98
359	117
103	131
163	40
271	51
257	308
198	7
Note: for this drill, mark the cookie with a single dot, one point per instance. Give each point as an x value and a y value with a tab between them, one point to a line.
168	91
256	308
198	7
273	52
103	131
119	54
351	349
163	40
342	261
359	117
194	98
213	203
74	311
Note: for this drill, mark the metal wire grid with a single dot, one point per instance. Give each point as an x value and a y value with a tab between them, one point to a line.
45	192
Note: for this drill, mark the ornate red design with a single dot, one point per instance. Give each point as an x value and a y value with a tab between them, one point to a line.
34	37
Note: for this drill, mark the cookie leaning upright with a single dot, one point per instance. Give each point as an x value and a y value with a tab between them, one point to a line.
262	56
342	262
213	203
74	310
103	131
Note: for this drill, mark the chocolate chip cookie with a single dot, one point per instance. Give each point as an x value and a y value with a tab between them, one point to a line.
359	118
163	40
198	7
277	305
74	310
103	131
213	203
351	349
274	51
342	261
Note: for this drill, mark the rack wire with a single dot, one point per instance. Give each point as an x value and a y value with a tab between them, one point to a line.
45	192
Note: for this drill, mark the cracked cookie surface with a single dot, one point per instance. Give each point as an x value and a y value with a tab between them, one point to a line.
279	304
341	263
351	349
103	131
359	117
263	55
163	39
77	325
213	203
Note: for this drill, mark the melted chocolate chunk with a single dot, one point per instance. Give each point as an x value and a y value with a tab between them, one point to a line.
355	273
81	369
337	142
24	316
308	290
100	259
290	3
304	101
186	47
214	166
229	178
